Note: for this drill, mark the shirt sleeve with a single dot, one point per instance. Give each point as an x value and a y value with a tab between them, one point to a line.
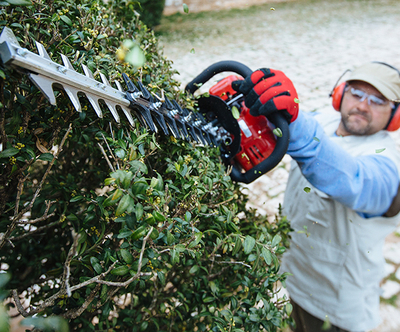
366	184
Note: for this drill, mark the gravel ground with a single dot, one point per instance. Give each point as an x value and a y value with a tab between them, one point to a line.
313	42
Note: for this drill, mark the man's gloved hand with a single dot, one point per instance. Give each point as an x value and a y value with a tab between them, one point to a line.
267	91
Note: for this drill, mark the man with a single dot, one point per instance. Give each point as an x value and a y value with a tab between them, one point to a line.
341	193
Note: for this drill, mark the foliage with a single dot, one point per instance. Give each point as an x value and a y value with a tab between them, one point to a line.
113	227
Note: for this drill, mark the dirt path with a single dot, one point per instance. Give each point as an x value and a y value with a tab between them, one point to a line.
313	42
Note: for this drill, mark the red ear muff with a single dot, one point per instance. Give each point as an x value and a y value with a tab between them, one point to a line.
337	96
394	123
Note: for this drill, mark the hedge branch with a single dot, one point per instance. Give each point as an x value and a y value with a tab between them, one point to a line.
72	314
44	217
18	216
71	254
105	155
18	303
37	230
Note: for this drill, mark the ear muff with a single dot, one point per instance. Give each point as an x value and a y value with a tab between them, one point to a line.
394	122
337	96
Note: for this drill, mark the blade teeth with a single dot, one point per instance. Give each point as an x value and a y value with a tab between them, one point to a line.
104	79
73	96
119	86
66	62
128	116
42	51
95	104
113	111
161	122
45	85
146	116
87	71
8	35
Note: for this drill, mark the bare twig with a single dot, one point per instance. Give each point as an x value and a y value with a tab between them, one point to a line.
71	254
109	149
105	155
44	217
18	303
72	314
98	279
37	230
20	187
229	262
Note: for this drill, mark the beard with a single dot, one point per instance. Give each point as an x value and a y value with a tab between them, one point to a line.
356	126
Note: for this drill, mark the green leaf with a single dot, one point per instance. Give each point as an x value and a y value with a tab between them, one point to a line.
277	132
76	199
141	231
2	75
235	112
8	152
208	299
276	240
139	211
254	318
194	269
52	323
126	256
170	238
185	8
248	244
124	234
327	324
289	308
213	287
266	254
46	157
4	278
192	51
135	57
120	271
197	237
161	277
238	246
4	319
380	150
66	20
138	166
154	234
307	189
120	153
316	139
174	256
124	203
20	2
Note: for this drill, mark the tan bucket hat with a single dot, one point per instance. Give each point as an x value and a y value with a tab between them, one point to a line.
385	78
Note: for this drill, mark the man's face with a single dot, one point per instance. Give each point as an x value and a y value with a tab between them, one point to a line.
363	114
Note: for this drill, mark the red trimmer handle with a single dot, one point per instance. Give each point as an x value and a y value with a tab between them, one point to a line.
277	119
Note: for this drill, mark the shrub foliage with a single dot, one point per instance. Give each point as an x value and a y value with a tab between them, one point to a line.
110	226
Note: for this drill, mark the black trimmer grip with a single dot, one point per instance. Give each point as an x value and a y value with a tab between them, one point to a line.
215	69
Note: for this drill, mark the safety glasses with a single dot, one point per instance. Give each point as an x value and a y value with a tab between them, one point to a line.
360	95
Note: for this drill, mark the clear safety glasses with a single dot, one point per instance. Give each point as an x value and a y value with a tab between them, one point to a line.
360	96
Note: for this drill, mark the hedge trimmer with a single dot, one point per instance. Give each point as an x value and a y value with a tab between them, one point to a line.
246	142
